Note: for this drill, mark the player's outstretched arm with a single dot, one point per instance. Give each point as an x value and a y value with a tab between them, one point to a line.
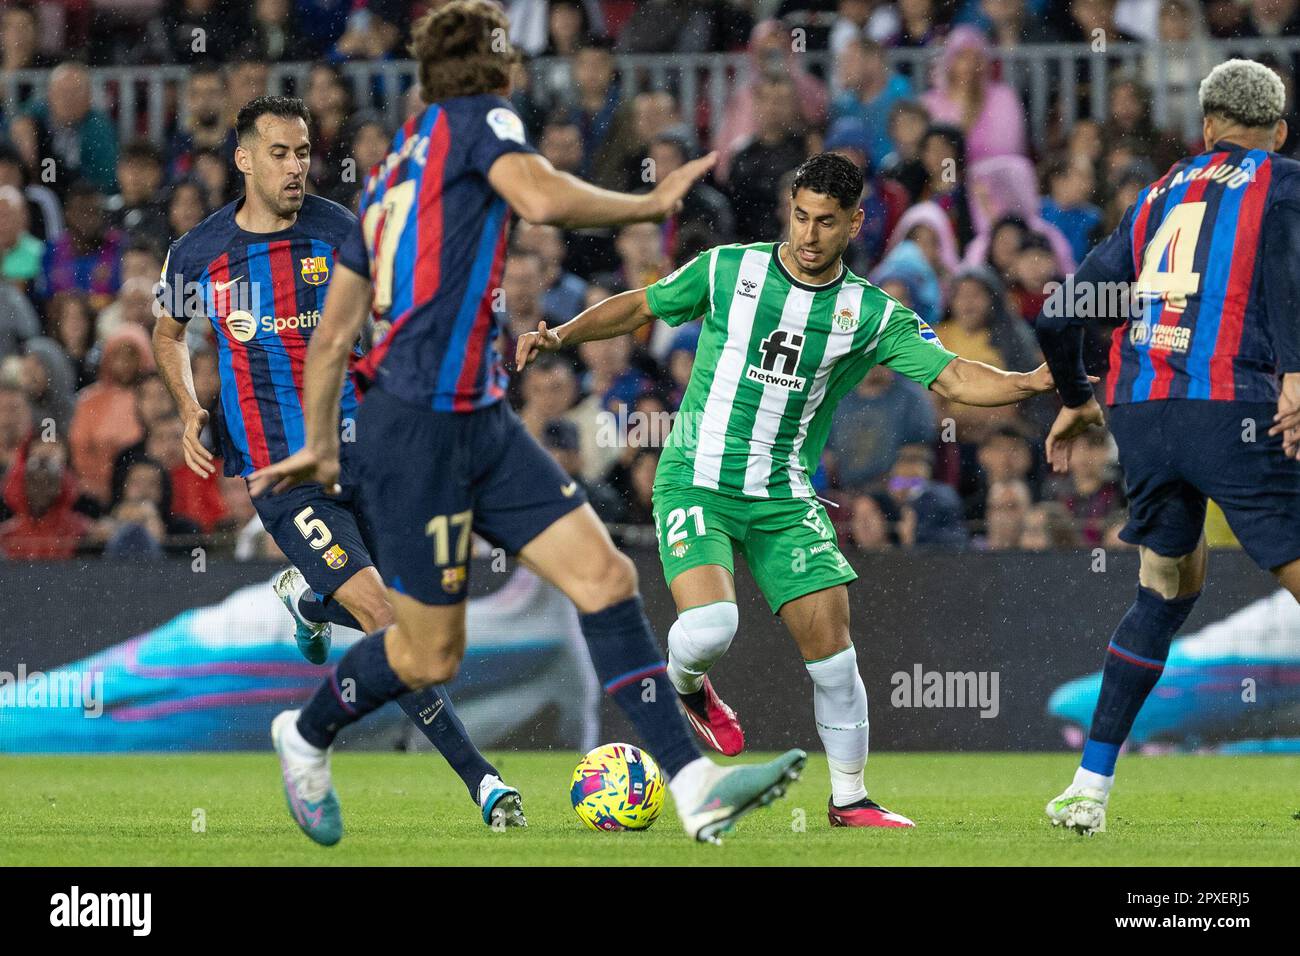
974	383
540	193
615	316
345	311
172	354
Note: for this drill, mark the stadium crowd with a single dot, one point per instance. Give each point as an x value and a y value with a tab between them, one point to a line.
967	221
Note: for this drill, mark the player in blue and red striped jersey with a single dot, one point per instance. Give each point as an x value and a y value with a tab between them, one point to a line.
440	454
257	271
1203	387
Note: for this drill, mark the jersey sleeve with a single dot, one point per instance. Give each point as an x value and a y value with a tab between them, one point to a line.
170	291
1282	281
682	295
353	252
909	346
495	131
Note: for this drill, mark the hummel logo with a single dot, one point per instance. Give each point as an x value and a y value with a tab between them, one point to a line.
223	286
569	489
747	287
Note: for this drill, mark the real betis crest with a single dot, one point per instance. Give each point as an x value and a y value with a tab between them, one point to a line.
846	320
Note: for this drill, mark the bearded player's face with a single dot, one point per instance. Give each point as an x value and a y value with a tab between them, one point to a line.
820	230
277	159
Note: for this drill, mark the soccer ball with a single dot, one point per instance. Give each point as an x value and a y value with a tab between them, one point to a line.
617	787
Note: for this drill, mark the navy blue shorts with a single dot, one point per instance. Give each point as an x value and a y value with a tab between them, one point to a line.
430	478
1176	453
325	536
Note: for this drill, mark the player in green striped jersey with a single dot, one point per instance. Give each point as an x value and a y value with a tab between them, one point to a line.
787	331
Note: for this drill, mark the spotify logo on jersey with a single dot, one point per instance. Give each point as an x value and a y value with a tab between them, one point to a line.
242	325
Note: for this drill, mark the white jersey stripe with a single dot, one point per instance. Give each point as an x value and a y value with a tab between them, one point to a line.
771	407
837	346
711	441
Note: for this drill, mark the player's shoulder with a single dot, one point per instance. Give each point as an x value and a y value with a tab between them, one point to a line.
1285	179
208	239
325	215
484	114
737	250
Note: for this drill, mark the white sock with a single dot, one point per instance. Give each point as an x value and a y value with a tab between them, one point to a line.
697	640
1093	780
840	706
687	783
294	742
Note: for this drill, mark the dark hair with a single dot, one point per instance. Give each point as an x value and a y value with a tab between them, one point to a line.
952	134
831	175
141	150
456	48
82	188
286	107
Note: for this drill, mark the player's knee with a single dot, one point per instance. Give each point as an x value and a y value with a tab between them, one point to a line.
611	579
704	634
1161	574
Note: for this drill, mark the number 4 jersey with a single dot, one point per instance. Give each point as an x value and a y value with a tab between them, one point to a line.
775	357
1213	248
432	239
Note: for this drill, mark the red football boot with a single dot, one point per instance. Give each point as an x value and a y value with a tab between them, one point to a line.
713	720
865	813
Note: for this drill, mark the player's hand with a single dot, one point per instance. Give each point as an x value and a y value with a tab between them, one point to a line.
1069	425
198	458
532	343
1287	419
299	468
673	187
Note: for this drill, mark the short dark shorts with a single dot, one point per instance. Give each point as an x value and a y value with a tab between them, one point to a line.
1177	453
430	478
325	536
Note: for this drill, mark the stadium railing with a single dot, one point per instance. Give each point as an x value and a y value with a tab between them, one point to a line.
1059	82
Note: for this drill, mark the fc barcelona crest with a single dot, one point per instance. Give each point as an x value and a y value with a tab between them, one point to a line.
315	270
335	557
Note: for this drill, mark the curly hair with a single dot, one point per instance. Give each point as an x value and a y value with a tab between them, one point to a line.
463	49
831	175
1245	92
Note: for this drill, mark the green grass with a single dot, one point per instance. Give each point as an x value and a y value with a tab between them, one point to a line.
971	809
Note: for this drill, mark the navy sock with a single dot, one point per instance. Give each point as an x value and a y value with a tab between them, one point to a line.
629	665
321	612
1135	659
431	711
363	681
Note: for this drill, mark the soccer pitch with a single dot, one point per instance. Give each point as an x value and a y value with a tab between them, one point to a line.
405	809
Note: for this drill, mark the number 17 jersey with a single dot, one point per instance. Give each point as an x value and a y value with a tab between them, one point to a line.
432	240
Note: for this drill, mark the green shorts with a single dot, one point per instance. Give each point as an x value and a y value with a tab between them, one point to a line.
788	543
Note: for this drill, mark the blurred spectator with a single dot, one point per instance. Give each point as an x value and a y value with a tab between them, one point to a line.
979	328
1130	118
49	380
966	94
205	126
1003	455
275	32
680	360
929	512
1005	510
198	30
329	98
15	427
40	491
82	139
943	149
138	208
522	287
1011	23
610	388
565	292
20	252
702	206
906	274
915	25
72	324
194	499
1034	269
868	91
44	214
1067	205
549	390
186	207
776	147
18	321
641	257
561	143
908	122
1048	527
634	484
87	257
141	521
374	32
683	26
247	77
1091	494
868	526
547	26
104	421
18	43
928	226
885	413
1006	185
772	58
596	102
